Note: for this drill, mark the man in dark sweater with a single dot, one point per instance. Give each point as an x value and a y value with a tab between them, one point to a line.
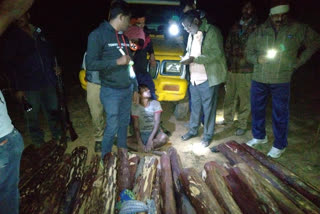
108	53
30	62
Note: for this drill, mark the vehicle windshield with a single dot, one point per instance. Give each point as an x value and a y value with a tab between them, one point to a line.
157	16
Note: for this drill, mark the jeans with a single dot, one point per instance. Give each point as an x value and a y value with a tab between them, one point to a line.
46	99
280	94
203	101
10	155
117	105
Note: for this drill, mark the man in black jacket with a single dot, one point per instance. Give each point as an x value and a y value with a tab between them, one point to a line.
30	61
108	53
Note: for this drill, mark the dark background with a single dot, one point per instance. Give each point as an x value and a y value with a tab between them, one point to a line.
67	24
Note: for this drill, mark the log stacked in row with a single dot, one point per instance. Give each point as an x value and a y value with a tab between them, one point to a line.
252	184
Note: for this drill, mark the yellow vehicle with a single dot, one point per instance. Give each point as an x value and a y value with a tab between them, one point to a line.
169	75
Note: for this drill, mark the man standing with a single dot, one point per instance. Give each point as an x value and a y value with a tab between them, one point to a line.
206	58
31	62
140	56
273	49
108	53
95	105
11	147
240	70
146	121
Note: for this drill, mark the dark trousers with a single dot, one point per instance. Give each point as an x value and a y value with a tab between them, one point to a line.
45	99
203	101
117	105
10	155
147	80
280	94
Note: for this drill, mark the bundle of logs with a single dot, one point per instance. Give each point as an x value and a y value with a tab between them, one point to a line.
54	182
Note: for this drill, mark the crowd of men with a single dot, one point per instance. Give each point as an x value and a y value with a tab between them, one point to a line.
256	62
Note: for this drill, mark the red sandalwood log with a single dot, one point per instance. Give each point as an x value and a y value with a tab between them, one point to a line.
219	188
169	202
200	195
285	175
236	153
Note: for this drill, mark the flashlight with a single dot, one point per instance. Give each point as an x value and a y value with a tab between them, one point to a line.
174	29
131	71
271	54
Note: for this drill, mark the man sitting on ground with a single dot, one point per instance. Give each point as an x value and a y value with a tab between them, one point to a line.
146	121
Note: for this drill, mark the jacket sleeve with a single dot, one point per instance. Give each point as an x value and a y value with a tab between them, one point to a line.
94	60
214	49
228	47
251	51
311	42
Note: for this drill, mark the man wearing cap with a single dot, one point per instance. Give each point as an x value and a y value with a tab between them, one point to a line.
273	49
238	81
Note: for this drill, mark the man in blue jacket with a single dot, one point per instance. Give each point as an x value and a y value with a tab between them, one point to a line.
108	53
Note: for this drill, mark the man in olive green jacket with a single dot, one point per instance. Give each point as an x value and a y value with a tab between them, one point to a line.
273	49
205	56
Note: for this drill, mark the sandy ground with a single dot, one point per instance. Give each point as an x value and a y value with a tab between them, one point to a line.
302	155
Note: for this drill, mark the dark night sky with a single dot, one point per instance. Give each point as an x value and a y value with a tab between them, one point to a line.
68	22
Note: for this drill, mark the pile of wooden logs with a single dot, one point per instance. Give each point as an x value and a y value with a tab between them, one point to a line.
250	183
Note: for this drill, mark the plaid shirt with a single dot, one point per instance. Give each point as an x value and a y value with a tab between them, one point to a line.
235	47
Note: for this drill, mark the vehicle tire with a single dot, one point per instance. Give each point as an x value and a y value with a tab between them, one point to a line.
181	110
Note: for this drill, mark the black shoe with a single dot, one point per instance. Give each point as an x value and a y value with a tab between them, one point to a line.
240	132
97	147
214	149
187	136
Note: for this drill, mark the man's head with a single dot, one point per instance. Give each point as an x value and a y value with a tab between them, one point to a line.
144	91
120	14
248	10
23	21
279	12
139	19
191	21
136	36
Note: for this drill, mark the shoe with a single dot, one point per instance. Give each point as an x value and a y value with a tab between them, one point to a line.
275	153
205	143
255	141
97	146
240	132
214	149
187	136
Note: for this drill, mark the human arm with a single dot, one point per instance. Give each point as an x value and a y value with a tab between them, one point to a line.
311	42
94	61
141	147
251	51
212	47
156	126
10	10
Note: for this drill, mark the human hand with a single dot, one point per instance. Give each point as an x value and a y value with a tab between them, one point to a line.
152	61
20	95
262	59
141	147
15	8
57	70
123	60
135	97
149	146
187	61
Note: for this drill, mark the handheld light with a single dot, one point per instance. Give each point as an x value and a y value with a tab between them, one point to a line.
174	29
271	54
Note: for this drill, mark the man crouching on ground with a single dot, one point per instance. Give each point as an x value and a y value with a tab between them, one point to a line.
146	121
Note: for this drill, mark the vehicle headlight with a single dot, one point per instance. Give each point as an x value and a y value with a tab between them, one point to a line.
174	29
